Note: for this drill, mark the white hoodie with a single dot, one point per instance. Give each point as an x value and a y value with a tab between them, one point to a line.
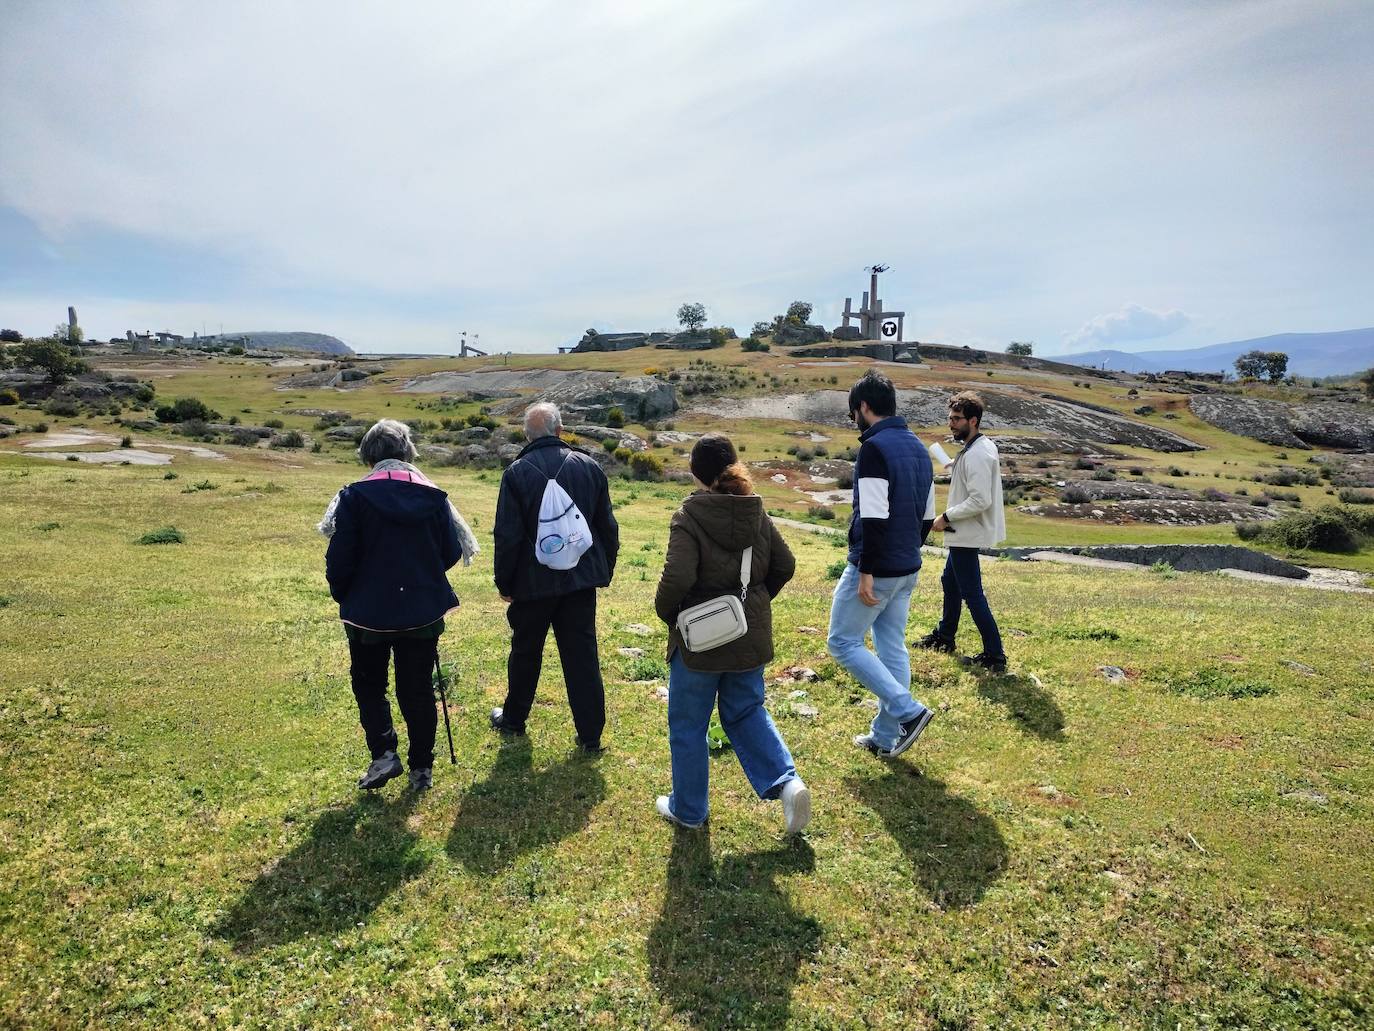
975	498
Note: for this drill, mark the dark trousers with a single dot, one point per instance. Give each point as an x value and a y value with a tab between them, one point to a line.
414	694
962	581
573	618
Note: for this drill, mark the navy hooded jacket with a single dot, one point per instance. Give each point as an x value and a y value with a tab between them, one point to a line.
894	500
393	540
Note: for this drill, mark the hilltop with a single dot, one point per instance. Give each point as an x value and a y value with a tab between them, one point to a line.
1309	354
316	343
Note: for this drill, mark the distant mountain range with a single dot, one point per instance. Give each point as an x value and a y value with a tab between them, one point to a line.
1309	354
320	343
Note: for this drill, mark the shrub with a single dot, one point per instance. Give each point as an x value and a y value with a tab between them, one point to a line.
126	441
8	397
610	443
821	512
291	439
615	418
645	466
845	481
1103	474
1137	471
169	475
1084	462
718	335
622	454
1176	471
1212	494
39	427
1074	495
1350	496
822	451
1042	463
62	406
483	420
274	424
1260	502
1329	528
836	569
164	535
184	409
753	343
1144	410
646	667
73	458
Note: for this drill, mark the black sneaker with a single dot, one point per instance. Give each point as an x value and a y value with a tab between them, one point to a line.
911	730
934	642
498	723
589	749
382	769
991	663
421	780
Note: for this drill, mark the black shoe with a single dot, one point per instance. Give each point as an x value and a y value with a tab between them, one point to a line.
934	642
991	663
911	730
382	769
498	723
589	749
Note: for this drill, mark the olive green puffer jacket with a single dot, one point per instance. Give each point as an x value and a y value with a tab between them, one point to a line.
705	540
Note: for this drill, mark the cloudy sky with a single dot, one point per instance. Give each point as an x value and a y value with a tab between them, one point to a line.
1121	174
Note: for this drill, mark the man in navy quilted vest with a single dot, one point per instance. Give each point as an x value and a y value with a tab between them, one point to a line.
894	508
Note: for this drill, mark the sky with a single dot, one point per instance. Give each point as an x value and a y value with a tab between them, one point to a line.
1131	175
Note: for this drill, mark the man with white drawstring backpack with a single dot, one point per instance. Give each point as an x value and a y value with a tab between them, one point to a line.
556	543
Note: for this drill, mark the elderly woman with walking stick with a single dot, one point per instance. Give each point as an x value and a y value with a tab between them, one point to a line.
392	536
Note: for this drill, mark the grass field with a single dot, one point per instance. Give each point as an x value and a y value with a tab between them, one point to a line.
181	842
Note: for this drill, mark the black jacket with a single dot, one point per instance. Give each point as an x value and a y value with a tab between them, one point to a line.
705	539
519	574
385	563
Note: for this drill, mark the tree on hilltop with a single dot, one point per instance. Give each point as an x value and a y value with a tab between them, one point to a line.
799	310
692	316
11	336
1023	348
50	356
1270	365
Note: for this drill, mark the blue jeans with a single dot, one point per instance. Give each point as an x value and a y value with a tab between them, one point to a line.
962	581
763	754
888	673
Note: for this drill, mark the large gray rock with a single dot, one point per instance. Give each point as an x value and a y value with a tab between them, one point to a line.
641	398
1331	424
928	406
623	438
1187	558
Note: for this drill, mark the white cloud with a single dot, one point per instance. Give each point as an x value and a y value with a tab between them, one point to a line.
1131	322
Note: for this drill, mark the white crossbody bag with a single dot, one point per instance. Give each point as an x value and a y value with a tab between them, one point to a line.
720	620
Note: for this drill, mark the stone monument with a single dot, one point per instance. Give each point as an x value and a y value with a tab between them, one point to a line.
874	323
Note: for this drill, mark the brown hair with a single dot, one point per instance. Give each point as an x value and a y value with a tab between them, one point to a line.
715	464
968	404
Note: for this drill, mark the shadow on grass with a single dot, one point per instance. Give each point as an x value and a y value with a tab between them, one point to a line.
354	857
728	944
518	809
1031	705
955	849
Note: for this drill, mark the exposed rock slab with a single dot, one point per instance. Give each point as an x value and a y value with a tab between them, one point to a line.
502	382
1163	513
641	398
928	406
1188	558
1331	424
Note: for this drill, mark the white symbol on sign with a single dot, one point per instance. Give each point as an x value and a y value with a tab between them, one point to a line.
889	327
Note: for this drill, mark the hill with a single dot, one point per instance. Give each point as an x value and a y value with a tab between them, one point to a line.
1309	354
318	343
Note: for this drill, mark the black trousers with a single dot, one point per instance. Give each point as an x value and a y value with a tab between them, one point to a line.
573	618
414	694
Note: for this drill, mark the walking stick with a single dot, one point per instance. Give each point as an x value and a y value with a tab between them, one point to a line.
441	683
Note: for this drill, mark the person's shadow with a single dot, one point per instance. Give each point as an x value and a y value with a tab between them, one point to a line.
1033	708
727	946
354	857
518	809
955	849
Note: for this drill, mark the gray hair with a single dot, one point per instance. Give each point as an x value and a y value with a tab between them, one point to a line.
543	420
386	439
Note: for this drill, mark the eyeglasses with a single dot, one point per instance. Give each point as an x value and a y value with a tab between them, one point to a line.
955	417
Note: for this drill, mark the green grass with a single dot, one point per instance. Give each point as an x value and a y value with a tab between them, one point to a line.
181	841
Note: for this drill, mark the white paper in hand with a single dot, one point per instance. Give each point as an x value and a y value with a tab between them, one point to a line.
938	453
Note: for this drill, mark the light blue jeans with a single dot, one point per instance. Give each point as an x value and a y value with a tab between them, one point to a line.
888	673
753	736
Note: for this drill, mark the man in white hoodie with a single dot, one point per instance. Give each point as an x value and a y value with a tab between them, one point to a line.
972	519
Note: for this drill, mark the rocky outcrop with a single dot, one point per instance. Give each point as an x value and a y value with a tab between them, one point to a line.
641	398
623	438
501	383
1023	445
1329	424
1163	513
908	353
928	406
1130	490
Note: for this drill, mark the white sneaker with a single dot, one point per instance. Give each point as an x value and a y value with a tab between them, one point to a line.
666	811
796	805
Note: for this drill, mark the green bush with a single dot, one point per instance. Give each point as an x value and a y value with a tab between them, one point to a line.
8	397
615	418
165	535
645	466
62	406
836	569
821	512
611	443
646	667
290	439
753	343
1351	496
273	424
1329	528
718	335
